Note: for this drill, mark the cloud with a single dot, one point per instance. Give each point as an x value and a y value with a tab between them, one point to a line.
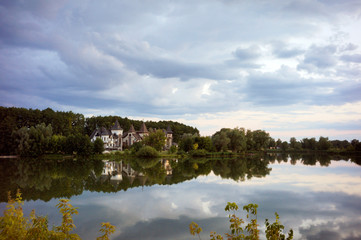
285	87
246	54
319	57
224	56
326	231
281	50
351	58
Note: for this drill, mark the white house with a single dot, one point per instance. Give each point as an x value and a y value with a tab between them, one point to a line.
112	138
115	139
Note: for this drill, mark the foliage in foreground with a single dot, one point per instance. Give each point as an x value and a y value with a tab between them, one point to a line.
274	231
13	225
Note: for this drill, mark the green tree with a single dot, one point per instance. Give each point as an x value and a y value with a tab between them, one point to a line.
57	143
323	143
309	143
237	139
204	143
294	144
186	142
79	144
272	143
221	140
98	146
155	139
33	141
284	146
278	143
261	139
249	140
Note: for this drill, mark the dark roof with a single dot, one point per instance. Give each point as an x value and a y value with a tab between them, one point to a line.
94	133
136	135
117	126
104	131
143	128
131	129
169	130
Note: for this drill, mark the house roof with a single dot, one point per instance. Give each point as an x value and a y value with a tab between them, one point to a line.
143	128
169	130
116	126
94	133
136	135
104	131
131	129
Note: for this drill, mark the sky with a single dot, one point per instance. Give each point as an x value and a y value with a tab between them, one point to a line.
290	67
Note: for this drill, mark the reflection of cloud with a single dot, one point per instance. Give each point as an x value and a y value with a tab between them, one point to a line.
316	181
336	230
306	197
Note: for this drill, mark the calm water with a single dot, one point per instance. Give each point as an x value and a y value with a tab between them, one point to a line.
318	196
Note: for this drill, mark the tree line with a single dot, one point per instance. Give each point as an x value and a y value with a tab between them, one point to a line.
35	132
65	124
242	140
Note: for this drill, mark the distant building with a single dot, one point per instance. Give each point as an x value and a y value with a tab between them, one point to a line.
116	139
112	138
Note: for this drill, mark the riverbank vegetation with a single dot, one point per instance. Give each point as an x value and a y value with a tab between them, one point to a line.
64	124
33	133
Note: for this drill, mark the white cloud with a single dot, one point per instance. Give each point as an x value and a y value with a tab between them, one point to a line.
227	60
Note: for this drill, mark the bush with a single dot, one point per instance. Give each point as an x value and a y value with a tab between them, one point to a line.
147	152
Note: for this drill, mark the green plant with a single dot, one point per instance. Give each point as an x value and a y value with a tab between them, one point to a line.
13	225
67	224
273	231
107	229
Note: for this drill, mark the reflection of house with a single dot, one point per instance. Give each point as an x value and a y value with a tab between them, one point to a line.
167	167
113	169
116	139
117	172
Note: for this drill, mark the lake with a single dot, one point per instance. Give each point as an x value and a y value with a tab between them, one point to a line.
318	196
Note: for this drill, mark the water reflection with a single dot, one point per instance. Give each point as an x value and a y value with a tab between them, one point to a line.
160	197
47	179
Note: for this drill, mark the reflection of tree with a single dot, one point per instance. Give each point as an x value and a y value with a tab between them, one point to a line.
47	179
241	168
312	158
